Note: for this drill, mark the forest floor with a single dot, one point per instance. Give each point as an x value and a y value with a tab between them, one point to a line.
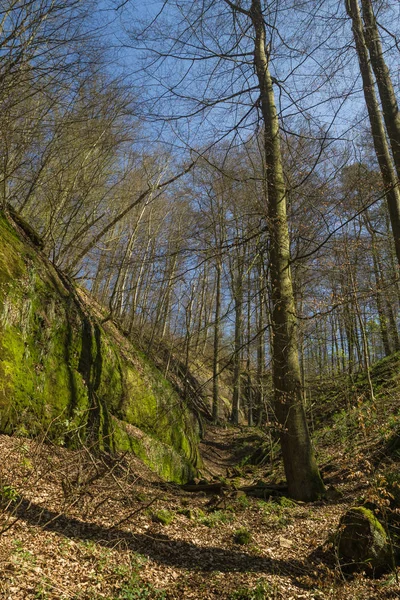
76	526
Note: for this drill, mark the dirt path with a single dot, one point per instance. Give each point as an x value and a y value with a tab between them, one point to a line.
75	527
227	452
219	450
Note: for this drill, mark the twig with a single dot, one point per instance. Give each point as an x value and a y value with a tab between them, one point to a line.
134	512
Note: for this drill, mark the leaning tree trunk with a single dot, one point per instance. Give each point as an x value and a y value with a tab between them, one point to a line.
303	478
369	55
387	95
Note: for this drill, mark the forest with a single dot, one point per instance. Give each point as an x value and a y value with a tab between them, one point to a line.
199	299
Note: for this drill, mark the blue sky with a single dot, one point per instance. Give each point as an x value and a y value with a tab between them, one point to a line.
337	105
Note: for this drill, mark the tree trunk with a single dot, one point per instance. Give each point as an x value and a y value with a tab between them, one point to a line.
249	383
237	353
383	322
116	301
378	131
365	351
261	328
387	95
303	478
215	403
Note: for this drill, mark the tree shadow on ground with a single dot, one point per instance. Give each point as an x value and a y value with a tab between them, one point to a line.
159	547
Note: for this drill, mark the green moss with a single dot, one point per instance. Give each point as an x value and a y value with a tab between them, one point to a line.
12	251
242	536
286	502
362	540
151	404
371	518
36	358
163	516
217	518
162	459
61	373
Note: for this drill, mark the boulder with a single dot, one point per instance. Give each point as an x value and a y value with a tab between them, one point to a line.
362	542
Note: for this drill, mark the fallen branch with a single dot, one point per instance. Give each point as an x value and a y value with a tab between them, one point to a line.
210	488
256	490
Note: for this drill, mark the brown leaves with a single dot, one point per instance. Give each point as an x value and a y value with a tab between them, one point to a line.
107	546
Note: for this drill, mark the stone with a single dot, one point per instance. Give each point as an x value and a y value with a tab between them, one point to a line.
362	541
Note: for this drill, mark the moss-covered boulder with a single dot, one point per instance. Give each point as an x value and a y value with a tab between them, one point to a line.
362	542
65	376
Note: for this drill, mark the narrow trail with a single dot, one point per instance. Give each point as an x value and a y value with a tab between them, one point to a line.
219	450
227	451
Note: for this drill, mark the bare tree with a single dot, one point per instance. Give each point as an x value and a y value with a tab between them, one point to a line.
234	39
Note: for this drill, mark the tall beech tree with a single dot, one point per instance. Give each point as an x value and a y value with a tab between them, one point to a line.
301	470
233	67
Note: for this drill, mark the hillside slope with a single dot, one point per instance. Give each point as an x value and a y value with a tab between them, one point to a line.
68	378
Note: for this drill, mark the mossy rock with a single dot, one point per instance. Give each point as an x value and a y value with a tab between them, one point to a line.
362	542
163	459
64	374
